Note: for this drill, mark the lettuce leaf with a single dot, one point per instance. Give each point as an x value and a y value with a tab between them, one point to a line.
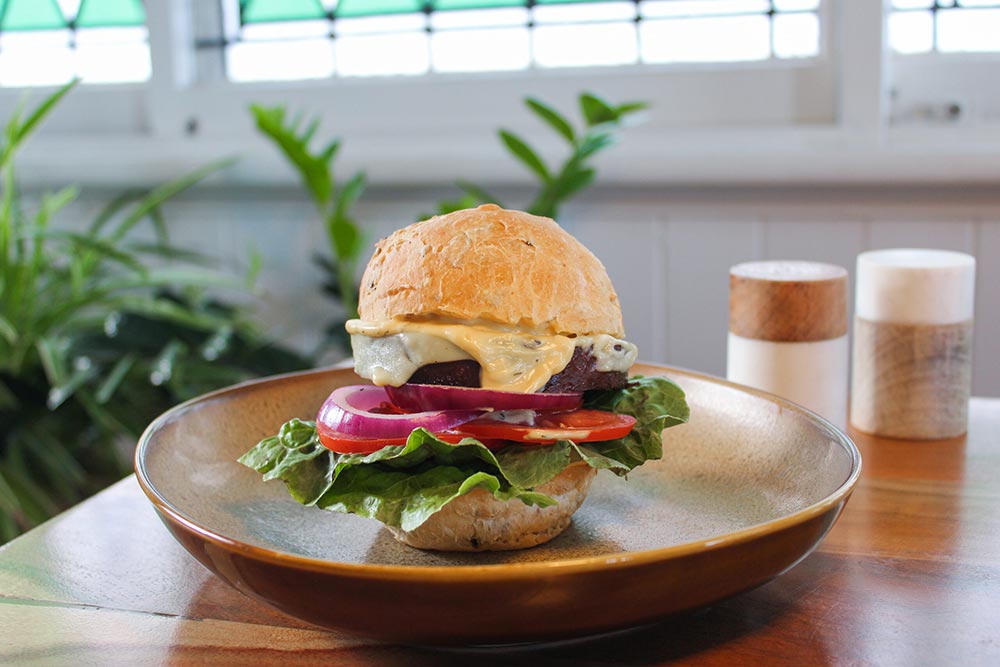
404	485
657	403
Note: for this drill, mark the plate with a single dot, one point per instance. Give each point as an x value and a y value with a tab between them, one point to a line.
744	491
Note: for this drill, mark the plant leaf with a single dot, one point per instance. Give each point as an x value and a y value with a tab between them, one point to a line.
346	238
111	209
630	107
314	170
62	391
105	249
8	330
43	110
595	110
592	144
164	192
557	121
575	182
349	194
114	378
525	154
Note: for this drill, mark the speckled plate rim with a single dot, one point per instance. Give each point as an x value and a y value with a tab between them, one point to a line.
500	571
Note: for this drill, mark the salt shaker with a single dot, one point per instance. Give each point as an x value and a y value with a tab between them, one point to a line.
912	369
788	333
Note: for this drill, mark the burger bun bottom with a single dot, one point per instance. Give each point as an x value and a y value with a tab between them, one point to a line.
479	522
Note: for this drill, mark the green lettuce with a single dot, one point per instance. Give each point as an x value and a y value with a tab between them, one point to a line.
404	485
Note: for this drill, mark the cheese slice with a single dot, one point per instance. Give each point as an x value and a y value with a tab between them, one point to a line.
389	352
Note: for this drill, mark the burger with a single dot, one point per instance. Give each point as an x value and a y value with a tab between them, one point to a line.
499	386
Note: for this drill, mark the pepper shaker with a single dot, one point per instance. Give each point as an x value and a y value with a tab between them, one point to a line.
912	371
788	333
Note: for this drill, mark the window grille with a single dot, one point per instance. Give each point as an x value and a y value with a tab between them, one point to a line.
944	26
300	39
48	42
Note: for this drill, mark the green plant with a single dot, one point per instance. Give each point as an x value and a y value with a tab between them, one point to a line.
100	331
333	203
601	123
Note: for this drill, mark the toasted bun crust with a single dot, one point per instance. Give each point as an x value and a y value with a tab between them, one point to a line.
479	522
491	264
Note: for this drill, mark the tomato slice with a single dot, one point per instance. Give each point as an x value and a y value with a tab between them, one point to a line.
578	426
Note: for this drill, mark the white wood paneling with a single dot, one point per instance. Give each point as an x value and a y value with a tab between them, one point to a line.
922	230
699	254
986	341
623	240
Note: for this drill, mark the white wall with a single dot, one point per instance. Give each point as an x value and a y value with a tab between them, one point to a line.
668	251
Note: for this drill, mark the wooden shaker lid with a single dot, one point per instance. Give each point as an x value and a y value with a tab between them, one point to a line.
788	301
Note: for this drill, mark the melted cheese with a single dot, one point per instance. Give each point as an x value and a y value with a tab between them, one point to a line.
389	352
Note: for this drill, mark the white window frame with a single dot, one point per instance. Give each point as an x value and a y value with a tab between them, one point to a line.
741	123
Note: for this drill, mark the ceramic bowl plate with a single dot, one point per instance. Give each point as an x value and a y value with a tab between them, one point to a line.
745	491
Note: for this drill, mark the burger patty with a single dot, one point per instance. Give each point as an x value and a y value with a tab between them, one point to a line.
580	374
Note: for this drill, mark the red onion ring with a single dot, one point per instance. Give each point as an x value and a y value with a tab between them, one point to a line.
348	410
417	397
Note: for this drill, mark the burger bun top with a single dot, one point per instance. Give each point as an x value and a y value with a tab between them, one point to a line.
495	265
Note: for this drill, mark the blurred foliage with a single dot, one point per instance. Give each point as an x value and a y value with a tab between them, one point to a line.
333	204
602	121
101	331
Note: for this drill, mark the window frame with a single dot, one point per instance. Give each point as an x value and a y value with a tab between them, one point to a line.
185	122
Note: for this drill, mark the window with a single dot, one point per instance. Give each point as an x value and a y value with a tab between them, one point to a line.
944	51
945	26
740	90
302	39
48	42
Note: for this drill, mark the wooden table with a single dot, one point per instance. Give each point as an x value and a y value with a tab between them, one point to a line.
910	575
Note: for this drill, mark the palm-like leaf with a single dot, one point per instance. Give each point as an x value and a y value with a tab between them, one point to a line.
86	318
333	203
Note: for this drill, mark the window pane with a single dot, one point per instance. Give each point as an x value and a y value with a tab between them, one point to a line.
110	55
32	15
796	5
380	24
375	55
276	61
968	30
255	11
286	30
911	32
476	4
39	58
108	13
603	11
481	50
796	35
480	18
665	8
573	45
713	39
376	7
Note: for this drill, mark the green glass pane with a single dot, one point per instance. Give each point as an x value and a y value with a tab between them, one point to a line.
565	2
110	13
348	8
443	5
32	15
263	11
